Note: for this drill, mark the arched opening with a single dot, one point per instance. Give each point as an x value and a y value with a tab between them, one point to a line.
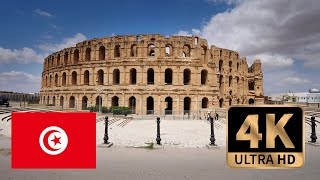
133	76
50	82
186	104
168	50
186	50
205	102
168	76
100	77
251	101
169	102
220	65
150	105
230	66
47	84
230	81
65	60
58	60
98	101
220	81
186	77
204	52
237	66
238	101
151	51
134	50
74	77
230	102
72	103
132	104
116	77
48	100
102	53
88	54
115	101
64	79
61	101
221	103
251	85
117	51
204	76
84	103
150	77
76	56
56	78
54	100
86	77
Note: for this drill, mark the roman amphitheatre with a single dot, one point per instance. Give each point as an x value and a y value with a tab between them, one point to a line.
151	74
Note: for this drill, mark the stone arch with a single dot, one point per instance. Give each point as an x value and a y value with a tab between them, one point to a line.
204	77
169	50
220	65
102	53
205	102
115	101
251	84
151	50
84	103
186	50
186	104
132	104
220	81
116	76
88	54
98	101
58	59
66	58
230	81
76	56
61	101
150	105
54	100
86	77
64	78
74	78
251	101
230	101
169	105
100	75
186	76
134	50
150	76
50	80
168	76
56	78
221	104
117	52
72	102
133	76
204	52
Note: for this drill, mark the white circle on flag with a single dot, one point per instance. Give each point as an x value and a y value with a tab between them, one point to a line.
53	140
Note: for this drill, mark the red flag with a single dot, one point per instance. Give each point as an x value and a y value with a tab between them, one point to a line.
53	140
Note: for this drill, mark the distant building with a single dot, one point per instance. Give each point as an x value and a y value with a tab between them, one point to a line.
310	97
15	96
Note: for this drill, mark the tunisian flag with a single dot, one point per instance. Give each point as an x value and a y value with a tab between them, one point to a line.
53	140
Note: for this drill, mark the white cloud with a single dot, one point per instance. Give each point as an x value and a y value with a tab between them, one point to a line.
67	42
187	33
42	13
21	56
272	61
19	82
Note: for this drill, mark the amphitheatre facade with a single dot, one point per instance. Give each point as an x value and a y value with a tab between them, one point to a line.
151	74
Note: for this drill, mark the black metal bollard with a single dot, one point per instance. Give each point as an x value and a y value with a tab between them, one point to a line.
106	137
313	130
158	131
212	139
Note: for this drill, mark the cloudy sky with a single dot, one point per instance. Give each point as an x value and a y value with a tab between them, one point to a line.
284	34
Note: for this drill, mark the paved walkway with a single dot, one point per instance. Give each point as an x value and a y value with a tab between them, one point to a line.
174	133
